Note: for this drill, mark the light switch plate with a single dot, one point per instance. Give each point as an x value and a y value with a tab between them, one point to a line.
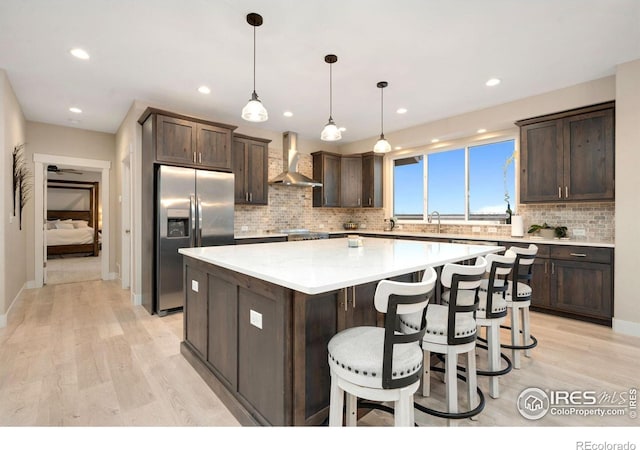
579	232
255	318
194	285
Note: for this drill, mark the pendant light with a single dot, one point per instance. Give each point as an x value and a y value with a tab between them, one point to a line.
382	146
330	132
254	111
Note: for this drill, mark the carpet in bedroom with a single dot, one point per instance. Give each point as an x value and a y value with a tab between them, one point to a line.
72	270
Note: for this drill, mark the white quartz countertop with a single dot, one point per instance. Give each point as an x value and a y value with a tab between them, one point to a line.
481	237
317	266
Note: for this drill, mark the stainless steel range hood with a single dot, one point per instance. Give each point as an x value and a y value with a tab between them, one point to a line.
290	175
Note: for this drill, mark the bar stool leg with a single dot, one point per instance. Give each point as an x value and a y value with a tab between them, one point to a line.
336	404
515	335
493	343
426	373
472	381
451	360
526	330
352	410
404	411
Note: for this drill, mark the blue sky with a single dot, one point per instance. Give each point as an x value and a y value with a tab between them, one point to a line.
447	181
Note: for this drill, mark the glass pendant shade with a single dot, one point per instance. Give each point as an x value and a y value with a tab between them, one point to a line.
254	111
382	146
330	132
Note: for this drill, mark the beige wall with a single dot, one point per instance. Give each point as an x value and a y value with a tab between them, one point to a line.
627	258
65	141
13	262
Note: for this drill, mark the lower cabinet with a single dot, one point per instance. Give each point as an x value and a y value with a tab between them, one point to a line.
196	307
573	281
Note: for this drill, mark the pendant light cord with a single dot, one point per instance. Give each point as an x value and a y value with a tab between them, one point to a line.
330	91
382	113
254	59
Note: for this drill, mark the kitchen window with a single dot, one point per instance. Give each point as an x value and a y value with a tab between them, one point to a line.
471	182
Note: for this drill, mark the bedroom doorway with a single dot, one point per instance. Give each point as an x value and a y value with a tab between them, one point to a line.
73	232
47	167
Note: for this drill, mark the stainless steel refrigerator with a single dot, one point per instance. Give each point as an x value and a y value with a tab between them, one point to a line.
194	209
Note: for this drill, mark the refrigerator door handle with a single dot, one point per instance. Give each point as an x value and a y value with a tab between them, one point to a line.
199	236
192	207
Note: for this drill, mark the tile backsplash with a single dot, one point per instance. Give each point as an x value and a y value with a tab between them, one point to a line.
292	207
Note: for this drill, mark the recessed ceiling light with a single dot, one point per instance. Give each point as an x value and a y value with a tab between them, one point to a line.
204	90
482	130
493	81
342	129
398	148
401	110
79	53
433	141
75	110
287	114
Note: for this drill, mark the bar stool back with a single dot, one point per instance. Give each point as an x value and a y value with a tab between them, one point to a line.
381	364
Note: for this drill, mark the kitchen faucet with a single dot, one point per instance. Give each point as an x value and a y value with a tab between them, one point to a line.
430	217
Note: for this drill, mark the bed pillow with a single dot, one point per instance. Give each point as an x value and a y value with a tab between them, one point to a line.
80	224
51	224
64	226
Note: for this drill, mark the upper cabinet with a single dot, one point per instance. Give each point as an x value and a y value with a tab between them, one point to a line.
348	181
250	164
326	169
190	142
372	180
568	156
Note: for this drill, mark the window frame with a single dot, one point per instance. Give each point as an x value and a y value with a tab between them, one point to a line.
465	144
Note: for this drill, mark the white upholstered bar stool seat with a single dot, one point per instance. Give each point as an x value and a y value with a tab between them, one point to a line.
519	300
492	311
381	364
461	300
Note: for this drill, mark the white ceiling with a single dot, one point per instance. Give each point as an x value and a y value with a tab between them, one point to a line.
435	54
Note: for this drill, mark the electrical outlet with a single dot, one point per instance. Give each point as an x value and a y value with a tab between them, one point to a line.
244	228
255	318
475	229
492	230
194	285
579	232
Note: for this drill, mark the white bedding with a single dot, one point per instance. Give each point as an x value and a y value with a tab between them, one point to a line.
75	236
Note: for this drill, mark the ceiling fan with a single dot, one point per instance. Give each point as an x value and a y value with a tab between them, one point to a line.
57	170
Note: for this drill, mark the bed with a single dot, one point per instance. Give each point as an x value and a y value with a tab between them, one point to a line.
72	231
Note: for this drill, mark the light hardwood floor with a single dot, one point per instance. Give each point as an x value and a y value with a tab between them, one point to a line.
79	354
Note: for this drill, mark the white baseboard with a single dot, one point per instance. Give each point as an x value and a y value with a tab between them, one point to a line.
136	299
3	317
626	327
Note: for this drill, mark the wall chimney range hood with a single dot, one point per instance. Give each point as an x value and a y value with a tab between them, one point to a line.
290	175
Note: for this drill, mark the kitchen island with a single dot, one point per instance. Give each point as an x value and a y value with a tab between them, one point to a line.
258	317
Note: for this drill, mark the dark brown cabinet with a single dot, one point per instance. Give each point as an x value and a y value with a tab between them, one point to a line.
568	156
195	318
189	142
250	167
350	181
326	169
573	281
372	180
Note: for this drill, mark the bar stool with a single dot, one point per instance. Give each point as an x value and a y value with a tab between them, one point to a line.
492	311
518	296
451	330
381	364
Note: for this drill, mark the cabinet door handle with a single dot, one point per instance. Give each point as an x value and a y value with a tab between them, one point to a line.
559	191
246	197
200	157
566	192
346	299
358	202
353	297
194	157
553	268
250	197
581	255
369	201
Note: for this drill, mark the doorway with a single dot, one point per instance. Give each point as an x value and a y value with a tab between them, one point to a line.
42	162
